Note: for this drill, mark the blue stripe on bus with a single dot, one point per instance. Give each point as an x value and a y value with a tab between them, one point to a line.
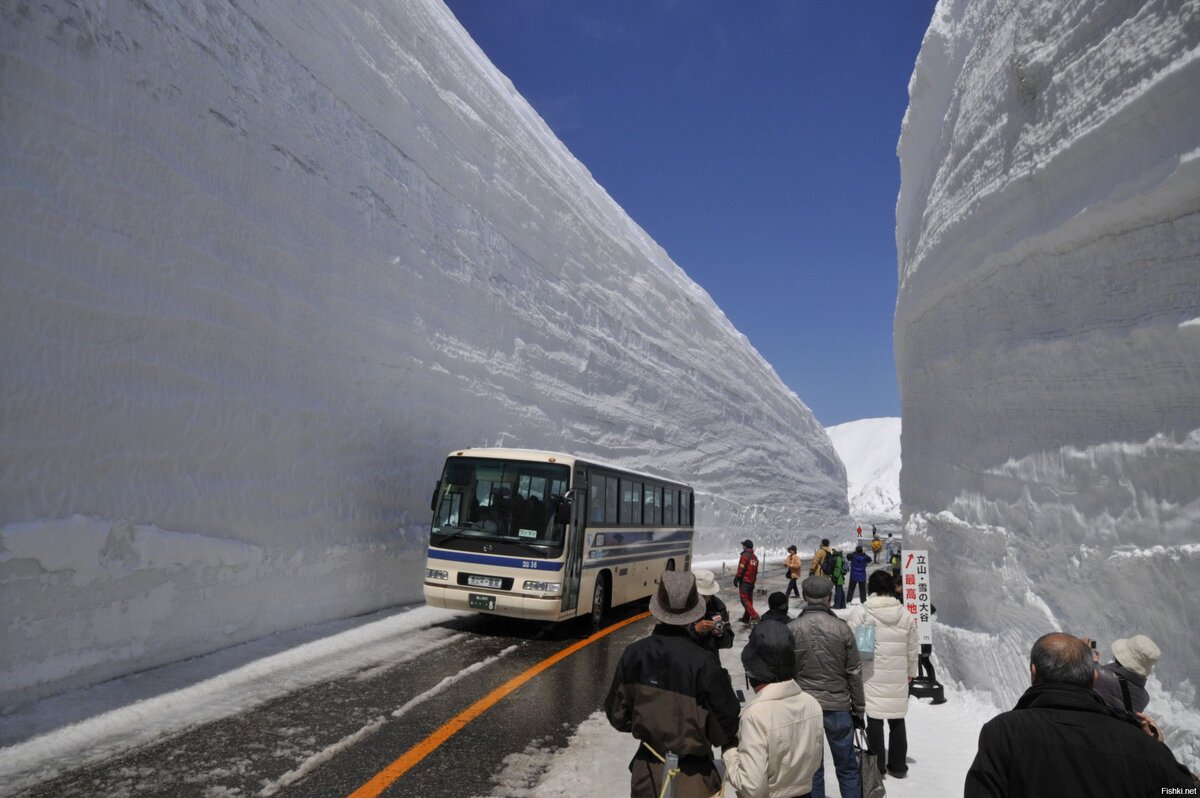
492	559
618	537
620	559
640	548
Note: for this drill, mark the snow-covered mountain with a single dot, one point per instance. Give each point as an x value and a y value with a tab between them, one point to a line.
870	450
1047	330
263	266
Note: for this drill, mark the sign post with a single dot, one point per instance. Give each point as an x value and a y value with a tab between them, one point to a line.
916	592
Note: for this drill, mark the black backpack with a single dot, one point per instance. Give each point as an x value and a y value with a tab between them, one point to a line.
827	563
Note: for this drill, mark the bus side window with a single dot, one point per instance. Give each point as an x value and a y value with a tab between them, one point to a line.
612	499
596	499
631	502
652	504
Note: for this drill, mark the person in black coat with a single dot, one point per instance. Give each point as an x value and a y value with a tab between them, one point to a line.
778	604
1062	739
712	631
670	695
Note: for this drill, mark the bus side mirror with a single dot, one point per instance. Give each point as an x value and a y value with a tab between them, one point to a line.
433	499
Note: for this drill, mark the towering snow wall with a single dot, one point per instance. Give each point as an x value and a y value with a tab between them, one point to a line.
1047	330
264	265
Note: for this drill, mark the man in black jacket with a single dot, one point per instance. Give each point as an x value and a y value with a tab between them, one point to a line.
712	631
673	697
1061	739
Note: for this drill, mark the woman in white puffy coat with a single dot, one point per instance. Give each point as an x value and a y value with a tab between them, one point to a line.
887	675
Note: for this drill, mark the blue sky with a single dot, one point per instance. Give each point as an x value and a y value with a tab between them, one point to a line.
756	143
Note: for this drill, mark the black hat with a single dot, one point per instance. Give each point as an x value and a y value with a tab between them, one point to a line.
777	600
748	543
770	655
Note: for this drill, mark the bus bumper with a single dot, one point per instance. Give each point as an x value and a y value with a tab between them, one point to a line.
507	604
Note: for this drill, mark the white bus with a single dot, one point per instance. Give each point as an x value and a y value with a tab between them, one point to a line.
548	536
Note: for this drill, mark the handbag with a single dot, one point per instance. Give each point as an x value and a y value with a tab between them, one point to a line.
864	640
868	768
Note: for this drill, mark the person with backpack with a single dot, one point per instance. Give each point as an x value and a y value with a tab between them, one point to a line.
818	561
888	671
1122	682
839	580
746	576
858	574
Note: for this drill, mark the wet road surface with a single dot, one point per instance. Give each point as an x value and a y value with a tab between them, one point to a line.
331	739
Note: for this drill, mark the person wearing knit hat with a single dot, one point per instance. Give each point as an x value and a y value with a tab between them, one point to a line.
777	603
1122	682
780	743
673	698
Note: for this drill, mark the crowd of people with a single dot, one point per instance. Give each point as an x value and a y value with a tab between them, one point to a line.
1080	729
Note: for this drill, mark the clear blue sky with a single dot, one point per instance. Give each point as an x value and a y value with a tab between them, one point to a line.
756	143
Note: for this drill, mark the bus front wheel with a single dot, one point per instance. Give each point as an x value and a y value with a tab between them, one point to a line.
599	601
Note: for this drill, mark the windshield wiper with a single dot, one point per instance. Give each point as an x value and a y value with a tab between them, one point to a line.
530	547
456	533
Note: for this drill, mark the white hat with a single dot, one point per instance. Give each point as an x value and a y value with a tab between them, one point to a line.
1138	653
706	582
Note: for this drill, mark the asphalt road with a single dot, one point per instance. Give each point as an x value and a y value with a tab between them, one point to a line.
349	727
333	738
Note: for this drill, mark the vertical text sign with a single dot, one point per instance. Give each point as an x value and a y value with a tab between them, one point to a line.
916	591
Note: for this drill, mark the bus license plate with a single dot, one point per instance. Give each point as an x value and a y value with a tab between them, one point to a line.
478	602
485	581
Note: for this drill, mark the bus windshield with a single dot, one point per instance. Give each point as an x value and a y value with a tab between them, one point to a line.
507	501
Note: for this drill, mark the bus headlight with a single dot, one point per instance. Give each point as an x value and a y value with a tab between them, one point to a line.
553	588
434	573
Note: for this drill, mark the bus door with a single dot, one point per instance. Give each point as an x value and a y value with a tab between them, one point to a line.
573	567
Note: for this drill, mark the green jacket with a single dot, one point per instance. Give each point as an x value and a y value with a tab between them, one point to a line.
839	569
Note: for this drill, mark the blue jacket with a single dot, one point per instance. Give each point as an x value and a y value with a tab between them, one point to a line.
858	566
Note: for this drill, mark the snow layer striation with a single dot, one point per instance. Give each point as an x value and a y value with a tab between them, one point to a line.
1048	234
263	266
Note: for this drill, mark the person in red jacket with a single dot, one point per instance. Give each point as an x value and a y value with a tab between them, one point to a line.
746	576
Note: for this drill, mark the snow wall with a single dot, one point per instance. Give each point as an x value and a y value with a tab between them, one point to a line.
264	265
1047	333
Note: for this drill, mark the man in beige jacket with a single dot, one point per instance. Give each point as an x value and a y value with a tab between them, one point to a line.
780	735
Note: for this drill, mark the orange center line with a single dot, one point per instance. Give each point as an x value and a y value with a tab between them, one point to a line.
386	777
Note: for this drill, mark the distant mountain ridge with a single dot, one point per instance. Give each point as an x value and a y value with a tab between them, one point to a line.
870	449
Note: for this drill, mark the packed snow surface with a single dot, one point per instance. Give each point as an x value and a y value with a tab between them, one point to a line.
1048	235
870	450
264	266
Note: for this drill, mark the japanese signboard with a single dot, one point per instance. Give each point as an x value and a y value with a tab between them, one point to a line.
915	573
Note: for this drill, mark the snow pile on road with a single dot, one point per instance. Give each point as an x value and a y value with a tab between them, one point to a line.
870	450
1048	231
264	266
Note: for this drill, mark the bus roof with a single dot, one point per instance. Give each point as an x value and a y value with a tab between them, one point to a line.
542	456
